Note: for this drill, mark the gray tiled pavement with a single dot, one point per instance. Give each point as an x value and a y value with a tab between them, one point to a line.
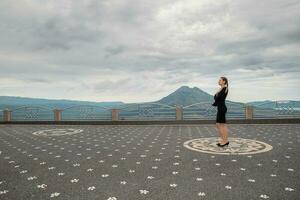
133	162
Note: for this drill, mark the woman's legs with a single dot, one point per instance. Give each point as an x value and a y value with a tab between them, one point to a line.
219	131
224	132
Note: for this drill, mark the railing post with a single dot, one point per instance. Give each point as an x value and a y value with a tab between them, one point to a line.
178	113
6	115
57	114
114	114
249	112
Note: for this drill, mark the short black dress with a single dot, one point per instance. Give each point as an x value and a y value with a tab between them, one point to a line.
220	103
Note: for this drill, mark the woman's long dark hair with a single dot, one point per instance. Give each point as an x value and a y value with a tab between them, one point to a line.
226	82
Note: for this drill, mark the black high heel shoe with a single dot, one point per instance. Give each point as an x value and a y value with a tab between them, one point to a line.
223	145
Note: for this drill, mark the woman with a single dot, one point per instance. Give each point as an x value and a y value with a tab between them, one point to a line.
219	98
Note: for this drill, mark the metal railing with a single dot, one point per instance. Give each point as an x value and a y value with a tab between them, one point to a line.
277	109
150	111
146	111
32	113
85	112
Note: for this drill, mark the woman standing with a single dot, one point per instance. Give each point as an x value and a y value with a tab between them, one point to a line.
219	98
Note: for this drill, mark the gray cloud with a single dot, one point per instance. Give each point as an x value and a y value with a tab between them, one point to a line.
136	51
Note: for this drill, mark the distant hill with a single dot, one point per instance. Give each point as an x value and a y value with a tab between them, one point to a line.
182	96
12	101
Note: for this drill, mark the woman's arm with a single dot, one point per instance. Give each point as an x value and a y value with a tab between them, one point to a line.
219	96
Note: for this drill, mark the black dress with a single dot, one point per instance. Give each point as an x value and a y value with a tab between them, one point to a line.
220	103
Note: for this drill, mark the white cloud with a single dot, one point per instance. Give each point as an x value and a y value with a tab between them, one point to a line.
133	51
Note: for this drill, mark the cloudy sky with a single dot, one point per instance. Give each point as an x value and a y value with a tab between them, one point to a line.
137	51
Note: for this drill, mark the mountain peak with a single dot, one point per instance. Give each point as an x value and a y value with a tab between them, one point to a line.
183	88
187	88
186	95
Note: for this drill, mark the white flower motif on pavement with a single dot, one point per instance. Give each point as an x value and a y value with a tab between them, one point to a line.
150	177
201	194
42	186
55	194
228	187
51	168
74	180
288	189
31	178
264	196
144	191
3	192
91	188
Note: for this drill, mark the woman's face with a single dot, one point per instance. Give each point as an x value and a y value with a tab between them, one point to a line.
221	82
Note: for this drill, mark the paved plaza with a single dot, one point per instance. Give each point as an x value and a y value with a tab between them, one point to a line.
153	162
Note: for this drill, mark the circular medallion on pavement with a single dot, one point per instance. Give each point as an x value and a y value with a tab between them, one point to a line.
57	132
237	146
